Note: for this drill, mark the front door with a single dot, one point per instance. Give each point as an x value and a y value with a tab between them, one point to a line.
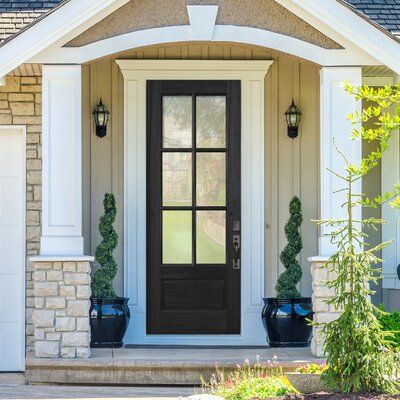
193	207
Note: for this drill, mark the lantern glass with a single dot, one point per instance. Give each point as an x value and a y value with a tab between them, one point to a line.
293	120
101	115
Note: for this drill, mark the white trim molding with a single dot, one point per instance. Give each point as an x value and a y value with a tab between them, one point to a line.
335	105
251	74
202	21
73	17
221	33
62	161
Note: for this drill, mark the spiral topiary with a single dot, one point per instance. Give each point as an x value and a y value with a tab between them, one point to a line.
286	285
104	276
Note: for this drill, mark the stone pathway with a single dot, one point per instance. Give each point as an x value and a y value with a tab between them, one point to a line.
12	386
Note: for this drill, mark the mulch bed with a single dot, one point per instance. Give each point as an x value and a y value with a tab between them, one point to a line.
339	396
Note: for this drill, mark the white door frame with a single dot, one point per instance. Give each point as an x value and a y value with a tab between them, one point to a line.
22	129
252	75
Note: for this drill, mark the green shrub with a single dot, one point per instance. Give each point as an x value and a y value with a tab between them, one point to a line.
312	369
390	322
286	285
249	381
104	276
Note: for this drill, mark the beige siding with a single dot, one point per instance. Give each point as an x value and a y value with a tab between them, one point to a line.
291	166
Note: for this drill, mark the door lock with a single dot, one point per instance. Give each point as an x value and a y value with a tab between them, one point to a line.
236	251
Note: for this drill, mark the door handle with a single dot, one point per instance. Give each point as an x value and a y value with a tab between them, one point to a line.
236	252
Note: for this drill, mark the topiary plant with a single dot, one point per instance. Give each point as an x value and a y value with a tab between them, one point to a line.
286	285
104	276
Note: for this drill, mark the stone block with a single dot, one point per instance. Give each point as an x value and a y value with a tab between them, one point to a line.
67	291
31	88
53	336
27	120
39	276
69	266
319	305
5	119
34	177
47	349
75	339
68	352
83	292
39	302
55	303
323	291
54	276
65	324
83	352
13	84
43	318
28	80
45	289
321	318
43	265
76	278
20	97
83	267
3	104
20	108
32	218
39	334
34	165
78	308
82	324
33	233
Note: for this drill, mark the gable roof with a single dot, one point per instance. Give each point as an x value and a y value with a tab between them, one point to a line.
385	13
16	15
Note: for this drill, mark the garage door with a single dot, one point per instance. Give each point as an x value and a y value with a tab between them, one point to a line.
12	248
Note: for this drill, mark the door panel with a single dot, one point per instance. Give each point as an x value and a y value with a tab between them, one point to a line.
193	207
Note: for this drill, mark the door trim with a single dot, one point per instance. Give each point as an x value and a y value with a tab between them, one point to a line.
252	75
22	130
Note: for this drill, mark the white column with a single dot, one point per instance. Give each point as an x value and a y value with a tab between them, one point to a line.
62	161
336	104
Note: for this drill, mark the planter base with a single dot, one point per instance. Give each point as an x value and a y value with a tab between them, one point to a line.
291	344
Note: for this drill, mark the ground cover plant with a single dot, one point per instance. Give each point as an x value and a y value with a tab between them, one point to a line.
249	382
360	353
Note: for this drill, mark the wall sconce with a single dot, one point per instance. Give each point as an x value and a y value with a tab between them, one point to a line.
293	120
101	119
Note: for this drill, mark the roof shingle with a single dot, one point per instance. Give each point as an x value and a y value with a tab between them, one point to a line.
386	13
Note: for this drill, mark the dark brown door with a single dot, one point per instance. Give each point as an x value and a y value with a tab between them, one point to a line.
193	207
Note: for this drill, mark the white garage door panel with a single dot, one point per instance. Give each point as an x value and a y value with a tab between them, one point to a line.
11	343
12	248
9	285
10	201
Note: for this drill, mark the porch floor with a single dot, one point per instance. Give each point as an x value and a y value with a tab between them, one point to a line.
156	365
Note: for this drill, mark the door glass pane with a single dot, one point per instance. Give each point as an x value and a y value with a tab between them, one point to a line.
177	237
177	179
177	121
211	121
211	179
211	237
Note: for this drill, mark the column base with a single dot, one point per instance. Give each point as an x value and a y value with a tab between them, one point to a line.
63	245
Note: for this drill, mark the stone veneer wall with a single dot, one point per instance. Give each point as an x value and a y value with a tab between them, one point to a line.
323	312
61	315
21	104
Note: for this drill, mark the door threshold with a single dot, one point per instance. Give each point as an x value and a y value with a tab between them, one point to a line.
174	346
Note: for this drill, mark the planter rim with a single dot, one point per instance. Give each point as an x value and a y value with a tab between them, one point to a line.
115	300
293	300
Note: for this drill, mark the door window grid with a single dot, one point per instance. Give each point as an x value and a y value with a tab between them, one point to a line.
197	210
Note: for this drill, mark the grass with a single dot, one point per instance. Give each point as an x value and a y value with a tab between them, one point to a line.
177	241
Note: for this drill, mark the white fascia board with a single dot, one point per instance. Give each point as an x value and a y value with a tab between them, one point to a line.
222	33
52	28
350	26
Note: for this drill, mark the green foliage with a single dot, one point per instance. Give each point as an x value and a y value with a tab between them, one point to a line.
286	285
390	322
312	369
249	381
104	276
359	353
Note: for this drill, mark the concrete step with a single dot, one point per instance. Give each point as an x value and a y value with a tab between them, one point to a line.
146	366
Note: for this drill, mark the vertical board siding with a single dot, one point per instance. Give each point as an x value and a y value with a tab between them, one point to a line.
291	166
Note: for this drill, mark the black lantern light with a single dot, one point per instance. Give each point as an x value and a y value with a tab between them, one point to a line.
101	119
293	120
